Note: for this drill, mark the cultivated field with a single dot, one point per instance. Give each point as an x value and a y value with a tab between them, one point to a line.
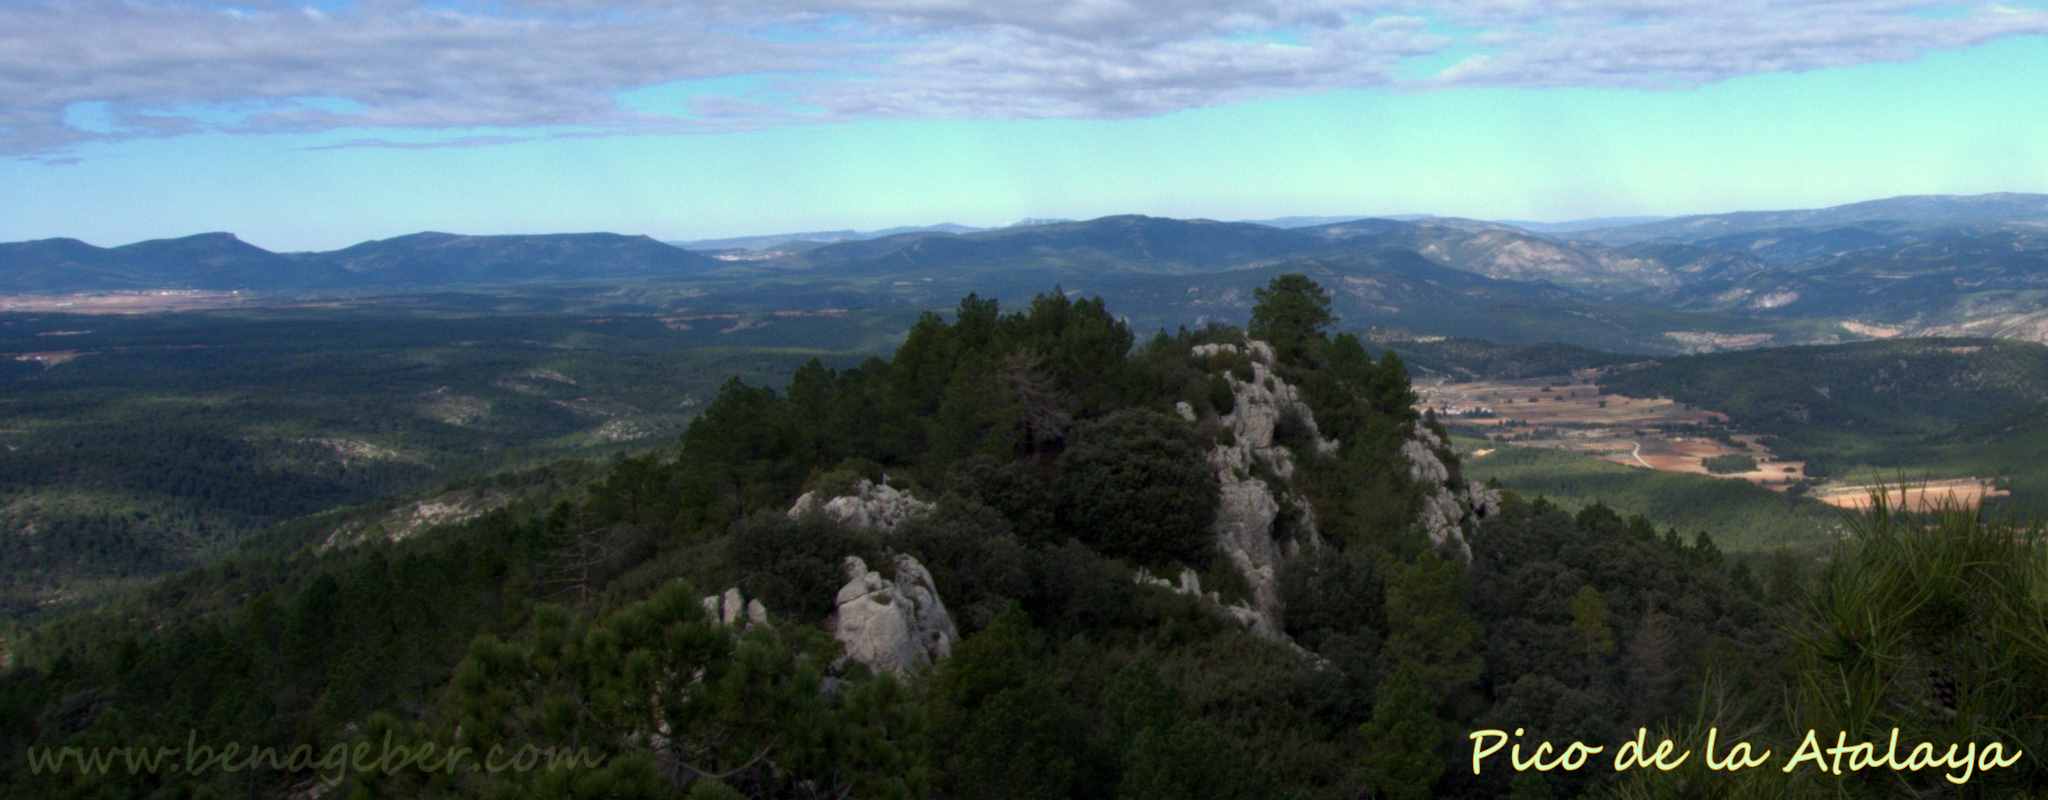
1572	413
1920	496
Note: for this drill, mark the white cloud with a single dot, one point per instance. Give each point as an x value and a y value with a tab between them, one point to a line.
1656	45
556	67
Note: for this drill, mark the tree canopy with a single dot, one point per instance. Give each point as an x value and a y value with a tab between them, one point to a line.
1293	313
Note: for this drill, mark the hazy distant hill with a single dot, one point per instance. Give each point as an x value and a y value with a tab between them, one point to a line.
1916	210
1902	266
203	261
809	239
1398	290
1305	222
1150	244
436	258
49	265
220	261
1577	225
1503	252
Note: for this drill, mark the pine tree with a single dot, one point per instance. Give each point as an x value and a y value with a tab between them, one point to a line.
1292	313
1589	618
1404	737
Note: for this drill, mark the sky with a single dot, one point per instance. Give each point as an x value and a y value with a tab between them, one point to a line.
316	125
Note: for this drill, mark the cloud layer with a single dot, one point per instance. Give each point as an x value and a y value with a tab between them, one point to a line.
406	74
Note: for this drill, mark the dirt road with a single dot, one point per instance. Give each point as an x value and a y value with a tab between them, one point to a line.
1637	454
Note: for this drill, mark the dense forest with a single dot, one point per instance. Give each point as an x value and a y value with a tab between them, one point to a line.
1891	411
1882	388
165	440
1059	464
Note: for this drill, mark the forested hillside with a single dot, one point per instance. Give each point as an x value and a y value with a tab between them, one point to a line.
1216	563
1890	388
144	445
1897	410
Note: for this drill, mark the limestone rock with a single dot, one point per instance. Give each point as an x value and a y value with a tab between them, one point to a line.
734	611
733	605
1446	509
1423	465
872	506
1484	502
448	508
897	625
1247	506
1190	584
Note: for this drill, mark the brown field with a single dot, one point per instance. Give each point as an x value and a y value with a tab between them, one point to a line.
1575	414
1921	496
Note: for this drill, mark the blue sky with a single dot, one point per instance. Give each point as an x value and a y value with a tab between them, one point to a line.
315	126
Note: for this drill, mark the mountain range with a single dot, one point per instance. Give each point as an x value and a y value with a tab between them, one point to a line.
220	261
1975	265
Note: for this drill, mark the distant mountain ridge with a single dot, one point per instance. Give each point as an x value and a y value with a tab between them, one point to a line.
1912	210
809	239
1141	243
1901	266
220	261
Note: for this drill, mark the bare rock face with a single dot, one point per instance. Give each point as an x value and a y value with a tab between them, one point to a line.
733	611
1190	584
1445	508
1481	501
1423	465
448	508
897	625
891	625
872	506
1248	506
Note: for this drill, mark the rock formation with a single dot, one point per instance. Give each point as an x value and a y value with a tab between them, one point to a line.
872	506
401	523
1445	507
890	624
1248	506
731	610
897	625
1190	584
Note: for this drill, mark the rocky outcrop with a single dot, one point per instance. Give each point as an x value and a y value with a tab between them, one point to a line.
1446	508
733	611
1258	407
1190	585
401	523
890	624
1481	502
1249	506
872	506
1255	472
894	625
